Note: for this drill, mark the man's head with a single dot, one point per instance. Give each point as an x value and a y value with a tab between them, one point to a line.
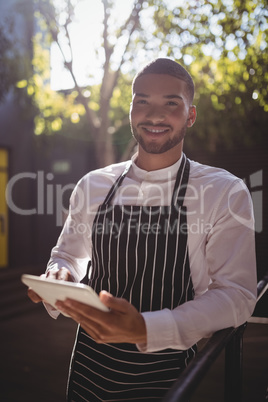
168	67
161	111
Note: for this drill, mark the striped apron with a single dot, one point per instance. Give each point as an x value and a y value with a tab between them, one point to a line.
139	253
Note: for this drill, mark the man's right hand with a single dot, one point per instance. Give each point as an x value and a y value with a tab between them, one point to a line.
62	274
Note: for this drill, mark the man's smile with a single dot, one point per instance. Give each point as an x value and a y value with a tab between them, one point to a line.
154	130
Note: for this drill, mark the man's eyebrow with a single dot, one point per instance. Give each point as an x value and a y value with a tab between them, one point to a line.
173	96
142	95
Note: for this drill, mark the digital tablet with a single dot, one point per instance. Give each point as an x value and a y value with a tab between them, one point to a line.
51	290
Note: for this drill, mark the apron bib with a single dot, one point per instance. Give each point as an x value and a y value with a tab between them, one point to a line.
139	253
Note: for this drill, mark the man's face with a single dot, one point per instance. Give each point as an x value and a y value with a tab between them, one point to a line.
160	112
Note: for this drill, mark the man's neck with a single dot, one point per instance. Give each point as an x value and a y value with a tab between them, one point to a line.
151	162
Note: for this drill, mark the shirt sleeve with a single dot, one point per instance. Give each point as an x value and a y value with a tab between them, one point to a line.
231	295
73	248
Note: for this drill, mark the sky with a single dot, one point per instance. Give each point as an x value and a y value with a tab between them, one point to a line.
85	32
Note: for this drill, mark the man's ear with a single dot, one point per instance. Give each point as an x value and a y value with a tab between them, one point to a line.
191	116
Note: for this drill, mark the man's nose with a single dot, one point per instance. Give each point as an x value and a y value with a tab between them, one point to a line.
155	114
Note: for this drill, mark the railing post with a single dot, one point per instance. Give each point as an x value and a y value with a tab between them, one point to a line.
233	367
232	340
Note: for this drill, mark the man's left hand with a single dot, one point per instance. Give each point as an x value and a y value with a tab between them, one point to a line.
123	323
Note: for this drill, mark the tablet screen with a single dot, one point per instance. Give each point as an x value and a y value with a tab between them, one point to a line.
51	290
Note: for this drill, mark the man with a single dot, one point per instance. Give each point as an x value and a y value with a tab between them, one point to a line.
171	243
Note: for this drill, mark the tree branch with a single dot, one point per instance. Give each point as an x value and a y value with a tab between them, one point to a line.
111	79
92	119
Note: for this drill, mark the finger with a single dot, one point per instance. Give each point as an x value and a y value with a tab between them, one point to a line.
64	275
95	331
91	332
34	296
81	312
72	308
90	326
81	308
51	274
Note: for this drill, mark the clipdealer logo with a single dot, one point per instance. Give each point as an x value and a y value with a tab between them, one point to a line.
255	185
49	197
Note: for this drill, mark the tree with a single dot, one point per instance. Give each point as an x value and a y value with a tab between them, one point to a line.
99	122
222	43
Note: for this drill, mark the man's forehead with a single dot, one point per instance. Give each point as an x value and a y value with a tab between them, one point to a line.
163	95
158	84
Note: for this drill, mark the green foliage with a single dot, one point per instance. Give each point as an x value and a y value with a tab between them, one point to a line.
120	101
222	43
224	46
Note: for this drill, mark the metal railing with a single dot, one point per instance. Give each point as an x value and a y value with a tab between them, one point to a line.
230	339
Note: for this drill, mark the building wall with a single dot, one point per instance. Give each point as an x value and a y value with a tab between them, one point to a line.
41	170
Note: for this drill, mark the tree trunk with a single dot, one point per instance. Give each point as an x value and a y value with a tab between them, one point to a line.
103	144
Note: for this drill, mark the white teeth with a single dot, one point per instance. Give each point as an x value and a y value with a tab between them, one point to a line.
156	131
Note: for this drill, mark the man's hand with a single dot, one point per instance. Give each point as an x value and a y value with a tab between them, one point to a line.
123	323
62	274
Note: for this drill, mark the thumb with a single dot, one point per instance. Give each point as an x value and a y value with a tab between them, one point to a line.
114	303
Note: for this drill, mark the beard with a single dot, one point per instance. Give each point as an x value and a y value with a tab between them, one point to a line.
154	148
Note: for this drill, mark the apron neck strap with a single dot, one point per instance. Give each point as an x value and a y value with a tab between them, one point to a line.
117	184
179	188
181	182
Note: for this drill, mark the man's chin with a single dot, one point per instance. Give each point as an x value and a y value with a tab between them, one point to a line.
157	149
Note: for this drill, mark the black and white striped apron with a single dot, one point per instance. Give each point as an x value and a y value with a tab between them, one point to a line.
140	253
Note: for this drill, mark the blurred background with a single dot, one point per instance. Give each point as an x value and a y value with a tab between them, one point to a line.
66	68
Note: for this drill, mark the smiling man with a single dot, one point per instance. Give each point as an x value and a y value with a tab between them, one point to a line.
160	113
171	245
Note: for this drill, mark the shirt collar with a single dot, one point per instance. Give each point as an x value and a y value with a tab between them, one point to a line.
160	175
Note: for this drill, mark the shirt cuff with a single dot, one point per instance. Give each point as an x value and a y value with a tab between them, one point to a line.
161	331
51	310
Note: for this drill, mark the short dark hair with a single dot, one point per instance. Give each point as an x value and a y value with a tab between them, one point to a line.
169	67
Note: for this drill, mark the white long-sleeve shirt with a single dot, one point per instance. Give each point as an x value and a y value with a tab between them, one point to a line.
221	245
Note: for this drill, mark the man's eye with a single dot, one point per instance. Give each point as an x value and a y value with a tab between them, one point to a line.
141	102
171	103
